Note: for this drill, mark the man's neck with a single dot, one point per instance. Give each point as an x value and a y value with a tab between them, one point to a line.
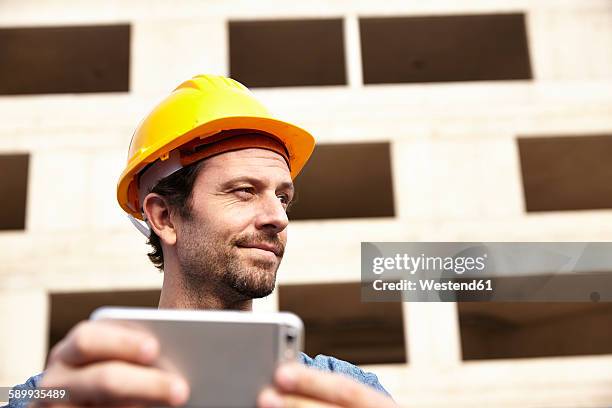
178	294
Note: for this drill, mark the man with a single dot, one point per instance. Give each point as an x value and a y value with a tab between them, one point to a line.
210	171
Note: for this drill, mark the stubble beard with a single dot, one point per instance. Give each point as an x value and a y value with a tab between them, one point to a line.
208	262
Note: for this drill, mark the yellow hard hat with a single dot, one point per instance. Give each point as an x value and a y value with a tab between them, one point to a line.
199	110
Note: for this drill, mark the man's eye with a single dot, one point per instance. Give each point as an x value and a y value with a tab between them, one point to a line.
284	198
244	191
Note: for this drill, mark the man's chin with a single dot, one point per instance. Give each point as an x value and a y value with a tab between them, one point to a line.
254	292
256	281
261	294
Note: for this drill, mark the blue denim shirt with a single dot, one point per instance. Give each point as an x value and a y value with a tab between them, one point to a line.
334	365
320	362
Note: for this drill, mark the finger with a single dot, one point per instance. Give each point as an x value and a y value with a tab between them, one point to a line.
118	383
77	406
49	405
95	341
333	388
270	398
63	404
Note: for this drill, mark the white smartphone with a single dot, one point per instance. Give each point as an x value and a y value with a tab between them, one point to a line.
227	357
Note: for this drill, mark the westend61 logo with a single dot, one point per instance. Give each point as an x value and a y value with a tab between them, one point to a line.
414	264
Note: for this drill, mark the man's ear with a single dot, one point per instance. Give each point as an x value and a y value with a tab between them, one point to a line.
157	211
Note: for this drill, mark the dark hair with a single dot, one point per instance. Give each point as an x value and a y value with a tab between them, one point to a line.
176	189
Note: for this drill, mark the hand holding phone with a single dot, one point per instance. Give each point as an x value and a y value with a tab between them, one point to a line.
226	357
103	363
172	357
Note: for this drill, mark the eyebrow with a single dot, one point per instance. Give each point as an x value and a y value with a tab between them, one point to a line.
286	185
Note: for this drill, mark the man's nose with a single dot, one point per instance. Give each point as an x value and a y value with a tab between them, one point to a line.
271	215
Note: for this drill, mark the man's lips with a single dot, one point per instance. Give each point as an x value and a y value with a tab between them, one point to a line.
266	247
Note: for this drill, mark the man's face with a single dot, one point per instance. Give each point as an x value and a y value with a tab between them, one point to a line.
236	235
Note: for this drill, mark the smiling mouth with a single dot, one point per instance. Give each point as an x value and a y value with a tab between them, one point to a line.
267	248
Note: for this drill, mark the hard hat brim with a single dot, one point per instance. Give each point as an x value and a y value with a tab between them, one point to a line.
298	142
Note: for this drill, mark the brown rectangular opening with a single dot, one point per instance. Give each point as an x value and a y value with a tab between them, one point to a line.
345	181
444	48
13	190
68	309
566	172
287	52
73	59
339	324
492	330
